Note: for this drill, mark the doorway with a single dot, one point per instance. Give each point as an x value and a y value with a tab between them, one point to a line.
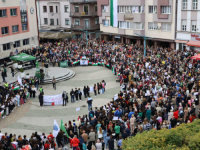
86	23
86	9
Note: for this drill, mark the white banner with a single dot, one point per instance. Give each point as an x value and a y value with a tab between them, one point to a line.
53	99
84	62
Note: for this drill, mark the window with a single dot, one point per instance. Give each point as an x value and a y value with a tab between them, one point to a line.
76	8
95	8
24	27
51	22
57	22
137	9
131	25
96	20
184	25
194	26
56	9
106	22
15	28
166	27
6	46
104	8
77	22
26	42
45	21
66	21
166	9
16	44
195	4
152	9
124	25
4	30
3	13
44	8
153	26
66	7
13	12
184	4
51	9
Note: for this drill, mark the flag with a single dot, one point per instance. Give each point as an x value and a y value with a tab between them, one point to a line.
16	88
113	70
27	94
56	129
113	13
62	127
2	112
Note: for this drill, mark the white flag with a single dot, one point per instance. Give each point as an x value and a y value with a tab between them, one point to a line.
56	129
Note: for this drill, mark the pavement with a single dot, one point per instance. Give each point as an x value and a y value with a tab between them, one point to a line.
26	119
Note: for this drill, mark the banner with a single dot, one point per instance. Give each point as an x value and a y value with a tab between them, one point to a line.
53	99
84	62
64	64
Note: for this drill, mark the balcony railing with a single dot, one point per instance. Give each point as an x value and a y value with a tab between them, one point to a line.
83	14
92	27
83	1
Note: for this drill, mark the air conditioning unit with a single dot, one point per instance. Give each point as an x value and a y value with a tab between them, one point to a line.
3	0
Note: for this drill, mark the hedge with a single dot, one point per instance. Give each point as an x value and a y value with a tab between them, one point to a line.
184	137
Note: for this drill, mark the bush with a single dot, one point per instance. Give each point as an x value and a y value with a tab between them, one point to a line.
184	137
21	70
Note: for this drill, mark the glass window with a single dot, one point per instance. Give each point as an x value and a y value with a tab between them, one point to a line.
67	21
26	42
51	9
124	25
138	25
45	21
166	9
106	22
15	28
166	27
153	26
104	8
96	20
3	13
16	44
24	27
194	26
95	8
152	9
184	4
51	22
184	25
195	4
66	7
6	46
76	8
57	22
13	12
77	22
4	30
44	8
56	9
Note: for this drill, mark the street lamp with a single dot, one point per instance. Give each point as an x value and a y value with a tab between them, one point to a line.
86	32
145	39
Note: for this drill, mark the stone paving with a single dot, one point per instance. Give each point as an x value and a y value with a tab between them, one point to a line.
31	117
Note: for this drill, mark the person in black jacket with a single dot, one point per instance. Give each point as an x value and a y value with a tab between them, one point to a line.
124	135
111	143
41	99
173	122
85	91
65	98
76	94
72	95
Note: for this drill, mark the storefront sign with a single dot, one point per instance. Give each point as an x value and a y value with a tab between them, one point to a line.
195	37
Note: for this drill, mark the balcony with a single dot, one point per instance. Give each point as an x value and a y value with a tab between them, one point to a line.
92	27
83	14
82	1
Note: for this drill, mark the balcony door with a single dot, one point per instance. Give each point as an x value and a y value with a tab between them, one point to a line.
86	23
86	9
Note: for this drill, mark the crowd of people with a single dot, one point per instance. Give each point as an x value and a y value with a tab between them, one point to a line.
158	91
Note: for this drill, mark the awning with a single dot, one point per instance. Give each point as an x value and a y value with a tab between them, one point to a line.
193	43
181	41
196	57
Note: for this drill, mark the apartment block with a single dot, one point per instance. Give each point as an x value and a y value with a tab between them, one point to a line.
18	26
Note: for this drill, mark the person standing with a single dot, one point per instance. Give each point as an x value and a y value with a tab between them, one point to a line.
65	98
41	89
75	142
33	90
72	96
54	82
5	71
76	94
132	123
95	90
12	71
111	143
41	99
98	145
79	94
3	76
85	91
18	99
92	137
89	101
36	83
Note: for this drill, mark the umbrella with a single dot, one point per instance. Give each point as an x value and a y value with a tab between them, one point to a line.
23	57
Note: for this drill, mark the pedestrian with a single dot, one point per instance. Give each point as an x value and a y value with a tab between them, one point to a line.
36	83
33	90
65	98
98	145
95	90
41	99
18	99
85	91
111	143
76	94
3	76
54	83
75	142
89	101
5	71
132	123
12	71
79	94
72	96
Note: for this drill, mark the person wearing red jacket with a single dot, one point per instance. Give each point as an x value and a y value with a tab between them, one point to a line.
75	142
47	145
176	114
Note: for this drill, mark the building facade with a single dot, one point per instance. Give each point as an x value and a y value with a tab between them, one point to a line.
84	17
150	18
54	14
188	25
18	25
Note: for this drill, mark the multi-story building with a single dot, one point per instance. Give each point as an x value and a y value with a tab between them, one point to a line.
188	25
150	18
53	14
18	26
84	17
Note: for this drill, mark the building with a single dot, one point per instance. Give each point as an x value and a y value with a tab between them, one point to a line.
150	18
84	17
18	26
188	25
54	15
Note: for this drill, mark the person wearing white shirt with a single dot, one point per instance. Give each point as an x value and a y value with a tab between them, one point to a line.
100	133
1	135
98	145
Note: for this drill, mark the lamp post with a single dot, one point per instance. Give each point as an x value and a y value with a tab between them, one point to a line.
145	39
86	32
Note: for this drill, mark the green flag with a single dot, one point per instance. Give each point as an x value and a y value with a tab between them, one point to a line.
62	127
